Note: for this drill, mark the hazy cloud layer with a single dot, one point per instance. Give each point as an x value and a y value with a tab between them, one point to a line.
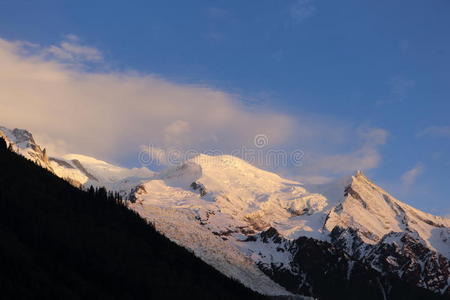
365	157
109	113
113	115
436	131
410	177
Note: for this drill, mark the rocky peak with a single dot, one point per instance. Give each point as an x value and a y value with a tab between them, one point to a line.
22	135
22	142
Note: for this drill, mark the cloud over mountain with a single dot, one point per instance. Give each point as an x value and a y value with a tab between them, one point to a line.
53	91
108	113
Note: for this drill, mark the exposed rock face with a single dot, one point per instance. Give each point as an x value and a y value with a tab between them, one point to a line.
135	192
80	167
327	271
21	141
200	187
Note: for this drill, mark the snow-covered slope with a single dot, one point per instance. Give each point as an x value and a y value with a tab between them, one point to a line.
80	170
228	194
181	227
262	215
239	195
90	171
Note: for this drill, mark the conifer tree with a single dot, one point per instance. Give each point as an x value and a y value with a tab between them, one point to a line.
2	144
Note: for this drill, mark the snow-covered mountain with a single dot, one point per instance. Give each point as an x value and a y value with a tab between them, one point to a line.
277	236
84	171
80	170
270	219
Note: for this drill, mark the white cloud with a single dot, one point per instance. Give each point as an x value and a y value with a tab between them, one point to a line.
365	157
315	180
436	131
111	114
70	50
410	177
361	159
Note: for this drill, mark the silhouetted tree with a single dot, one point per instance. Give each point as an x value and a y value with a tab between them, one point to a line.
2	144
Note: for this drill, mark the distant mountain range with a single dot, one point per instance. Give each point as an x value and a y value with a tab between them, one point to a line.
348	239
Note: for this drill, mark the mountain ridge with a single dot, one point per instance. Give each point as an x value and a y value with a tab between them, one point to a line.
237	217
266	221
60	242
80	170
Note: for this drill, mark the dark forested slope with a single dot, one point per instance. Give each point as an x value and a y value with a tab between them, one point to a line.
57	241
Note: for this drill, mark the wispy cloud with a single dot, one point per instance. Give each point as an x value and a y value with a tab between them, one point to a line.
214	36
366	157
71	50
435	131
410	177
219	13
399	88
301	10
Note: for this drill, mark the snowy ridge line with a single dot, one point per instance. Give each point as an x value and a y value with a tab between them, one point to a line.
248	223
262	215
80	170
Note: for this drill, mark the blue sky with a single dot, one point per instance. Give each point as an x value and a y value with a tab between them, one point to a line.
354	66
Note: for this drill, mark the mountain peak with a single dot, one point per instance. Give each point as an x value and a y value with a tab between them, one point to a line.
23	135
374	213
20	137
360	175
22	142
